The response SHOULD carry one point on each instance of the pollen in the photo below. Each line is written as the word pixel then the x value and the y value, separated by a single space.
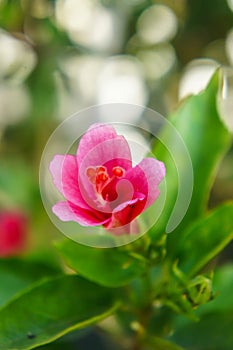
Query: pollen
pixel 101 177
pixel 101 169
pixel 118 171
pixel 101 174
pixel 98 176
pixel 91 174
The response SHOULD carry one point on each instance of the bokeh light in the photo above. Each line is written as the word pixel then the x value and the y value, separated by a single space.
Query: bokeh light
pixel 158 61
pixel 230 4
pixel 17 59
pixel 15 104
pixel 77 82
pixel 229 46
pixel 196 76
pixel 121 80
pixel 225 97
pixel 89 24
pixel 157 23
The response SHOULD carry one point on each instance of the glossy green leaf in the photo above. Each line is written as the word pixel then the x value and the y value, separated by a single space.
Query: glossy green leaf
pixel 107 267
pixel 207 140
pixel 51 309
pixel 206 238
pixel 16 274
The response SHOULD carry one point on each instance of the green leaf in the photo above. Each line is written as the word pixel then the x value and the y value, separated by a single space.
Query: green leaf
pixel 107 267
pixel 16 274
pixel 214 330
pixel 161 344
pixel 51 309
pixel 206 238
pixel 207 140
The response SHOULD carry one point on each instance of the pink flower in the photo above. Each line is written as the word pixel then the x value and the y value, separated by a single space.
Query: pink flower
pixel 13 233
pixel 100 185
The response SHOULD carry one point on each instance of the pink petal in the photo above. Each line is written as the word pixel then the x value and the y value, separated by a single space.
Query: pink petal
pixel 67 212
pixel 109 153
pixel 96 139
pixel 118 192
pixel 96 134
pixel 126 212
pixel 64 170
pixel 131 228
pixel 55 169
pixel 146 177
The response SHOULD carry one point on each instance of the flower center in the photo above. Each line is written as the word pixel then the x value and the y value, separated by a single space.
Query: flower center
pixel 118 171
pixel 100 178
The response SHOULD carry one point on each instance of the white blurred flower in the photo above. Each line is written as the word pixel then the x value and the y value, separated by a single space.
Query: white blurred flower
pixel 122 80
pixel 90 24
pixel 158 61
pixel 196 76
pixel 229 46
pixel 230 4
pixel 14 103
pixel 82 72
pixel 17 59
pixel 97 80
pixel 78 88
pixel 225 97
pixel 156 24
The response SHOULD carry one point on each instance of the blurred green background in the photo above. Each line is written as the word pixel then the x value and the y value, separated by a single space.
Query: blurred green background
pixel 58 57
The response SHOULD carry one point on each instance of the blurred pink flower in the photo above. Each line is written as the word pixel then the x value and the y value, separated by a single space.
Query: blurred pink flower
pixel 100 185
pixel 13 233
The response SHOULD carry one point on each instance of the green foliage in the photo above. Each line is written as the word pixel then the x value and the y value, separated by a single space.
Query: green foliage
pixel 147 283
pixel 50 309
pixel 207 140
pixel 214 329
pixel 205 238
pixel 161 344
pixel 107 267
pixel 16 275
